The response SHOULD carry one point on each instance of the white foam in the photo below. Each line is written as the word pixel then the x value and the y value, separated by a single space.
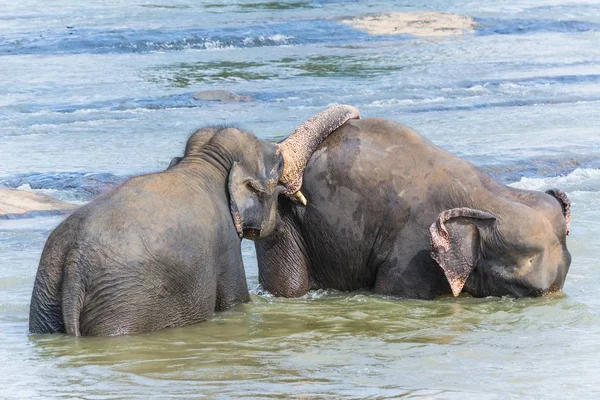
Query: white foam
pixel 404 102
pixel 27 188
pixel 510 85
pixel 59 194
pixel 582 179
pixel 217 45
pixel 476 89
pixel 278 37
pixel 319 294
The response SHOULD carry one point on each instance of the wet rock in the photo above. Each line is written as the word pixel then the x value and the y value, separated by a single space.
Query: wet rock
pixel 20 203
pixel 220 95
pixel 414 23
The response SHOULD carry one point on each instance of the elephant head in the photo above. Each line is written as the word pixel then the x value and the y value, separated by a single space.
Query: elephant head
pixel 258 171
pixel 521 252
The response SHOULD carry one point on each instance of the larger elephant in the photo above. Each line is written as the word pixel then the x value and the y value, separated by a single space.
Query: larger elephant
pixel 164 249
pixel 390 211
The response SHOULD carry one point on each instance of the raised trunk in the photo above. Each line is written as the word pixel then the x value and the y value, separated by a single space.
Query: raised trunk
pixel 299 146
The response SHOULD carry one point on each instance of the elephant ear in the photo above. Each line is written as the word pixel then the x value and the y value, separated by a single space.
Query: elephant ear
pixel 455 243
pixel 174 162
pixel 244 203
pixel 565 203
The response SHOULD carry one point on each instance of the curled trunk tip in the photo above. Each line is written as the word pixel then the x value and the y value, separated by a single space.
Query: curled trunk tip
pixel 299 146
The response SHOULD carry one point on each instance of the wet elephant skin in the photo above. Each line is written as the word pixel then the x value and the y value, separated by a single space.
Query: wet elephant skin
pixel 162 249
pixel 390 211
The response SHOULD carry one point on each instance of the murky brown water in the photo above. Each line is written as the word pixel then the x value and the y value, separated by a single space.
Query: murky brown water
pixel 354 345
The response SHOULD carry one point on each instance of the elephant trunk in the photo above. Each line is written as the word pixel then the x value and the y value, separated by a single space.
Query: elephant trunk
pixel 299 146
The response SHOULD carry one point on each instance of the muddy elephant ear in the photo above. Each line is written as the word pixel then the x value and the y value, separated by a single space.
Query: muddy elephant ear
pixel 174 162
pixel 244 203
pixel 565 203
pixel 455 243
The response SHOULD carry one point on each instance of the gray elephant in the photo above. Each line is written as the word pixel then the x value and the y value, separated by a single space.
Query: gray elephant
pixel 390 211
pixel 163 249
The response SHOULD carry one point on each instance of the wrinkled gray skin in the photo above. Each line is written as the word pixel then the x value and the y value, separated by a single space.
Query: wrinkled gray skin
pixel 390 211
pixel 162 249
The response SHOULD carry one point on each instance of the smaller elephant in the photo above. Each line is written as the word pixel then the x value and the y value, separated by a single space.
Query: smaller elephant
pixel 164 249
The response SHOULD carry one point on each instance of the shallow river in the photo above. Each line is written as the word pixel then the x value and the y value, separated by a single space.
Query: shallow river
pixel 93 92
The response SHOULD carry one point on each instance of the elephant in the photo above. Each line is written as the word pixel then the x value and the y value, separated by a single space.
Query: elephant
pixel 391 212
pixel 164 249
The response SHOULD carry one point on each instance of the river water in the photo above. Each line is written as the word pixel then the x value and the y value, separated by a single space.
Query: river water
pixel 93 92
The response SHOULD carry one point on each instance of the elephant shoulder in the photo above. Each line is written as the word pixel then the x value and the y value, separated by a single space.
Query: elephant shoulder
pixel 372 137
pixel 371 134
pixel 387 132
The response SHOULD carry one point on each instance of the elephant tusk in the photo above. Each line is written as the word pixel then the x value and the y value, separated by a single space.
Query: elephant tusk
pixel 298 195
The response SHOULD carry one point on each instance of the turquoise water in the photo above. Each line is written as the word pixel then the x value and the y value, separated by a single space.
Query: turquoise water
pixel 92 93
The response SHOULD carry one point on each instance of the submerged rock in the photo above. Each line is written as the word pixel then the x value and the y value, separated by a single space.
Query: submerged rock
pixel 414 23
pixel 16 203
pixel 220 95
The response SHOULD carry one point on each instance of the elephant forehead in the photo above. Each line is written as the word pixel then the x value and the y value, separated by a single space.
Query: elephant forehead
pixel 271 185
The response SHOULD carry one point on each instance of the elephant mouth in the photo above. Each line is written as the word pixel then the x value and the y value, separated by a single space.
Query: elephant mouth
pixel 494 284
pixel 251 233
